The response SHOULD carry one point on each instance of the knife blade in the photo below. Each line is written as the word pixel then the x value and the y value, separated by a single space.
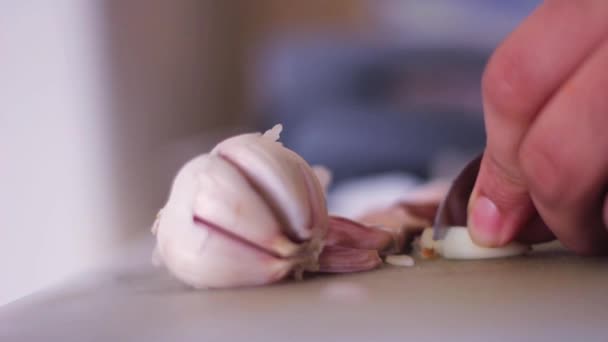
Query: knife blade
pixel 452 210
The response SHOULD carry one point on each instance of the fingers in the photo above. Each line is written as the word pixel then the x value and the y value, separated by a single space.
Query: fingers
pixel 535 231
pixel 531 65
pixel 499 204
pixel 521 77
pixel 564 158
pixel 606 211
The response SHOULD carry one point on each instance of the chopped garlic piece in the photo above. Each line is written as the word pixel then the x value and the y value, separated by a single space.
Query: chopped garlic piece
pixel 400 260
pixel 457 244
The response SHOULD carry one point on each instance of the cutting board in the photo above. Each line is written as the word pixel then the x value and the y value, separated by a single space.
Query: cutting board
pixel 546 296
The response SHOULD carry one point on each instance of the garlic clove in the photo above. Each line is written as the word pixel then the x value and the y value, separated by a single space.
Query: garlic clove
pixel 403 221
pixel 225 198
pixel 316 199
pixel 205 257
pixel 272 167
pixel 400 260
pixel 457 244
pixel 337 259
pixel 429 248
pixel 391 220
pixel 346 233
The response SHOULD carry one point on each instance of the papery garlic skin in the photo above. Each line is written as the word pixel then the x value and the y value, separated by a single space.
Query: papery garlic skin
pixel 457 244
pixel 225 198
pixel 203 258
pixel 249 213
pixel 288 180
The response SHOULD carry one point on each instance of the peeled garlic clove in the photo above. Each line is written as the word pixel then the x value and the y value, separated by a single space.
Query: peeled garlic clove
pixel 457 244
pixel 400 260
pixel 225 198
pixel 346 233
pixel 337 259
pixel 204 257
pixel 272 168
pixel 316 198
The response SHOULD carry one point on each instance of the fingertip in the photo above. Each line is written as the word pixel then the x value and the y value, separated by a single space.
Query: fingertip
pixel 498 207
pixel 484 222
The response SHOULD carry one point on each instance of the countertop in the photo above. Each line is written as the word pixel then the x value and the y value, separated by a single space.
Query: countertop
pixel 546 296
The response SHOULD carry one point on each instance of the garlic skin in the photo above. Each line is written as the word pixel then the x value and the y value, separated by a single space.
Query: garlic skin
pixel 287 182
pixel 204 258
pixel 251 212
pixel 403 221
pixel 457 244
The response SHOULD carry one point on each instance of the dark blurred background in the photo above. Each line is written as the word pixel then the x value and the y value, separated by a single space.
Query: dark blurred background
pixel 102 101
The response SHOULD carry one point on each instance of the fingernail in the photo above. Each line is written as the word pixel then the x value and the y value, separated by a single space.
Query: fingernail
pixel 484 222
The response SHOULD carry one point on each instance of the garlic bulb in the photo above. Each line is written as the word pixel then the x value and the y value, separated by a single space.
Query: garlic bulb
pixel 248 213
pixel 253 212
pixel 457 244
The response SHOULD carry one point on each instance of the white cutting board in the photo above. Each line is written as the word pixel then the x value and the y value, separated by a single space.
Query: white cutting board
pixel 547 296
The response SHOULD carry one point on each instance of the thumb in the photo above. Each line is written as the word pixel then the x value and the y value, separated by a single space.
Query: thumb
pixel 499 205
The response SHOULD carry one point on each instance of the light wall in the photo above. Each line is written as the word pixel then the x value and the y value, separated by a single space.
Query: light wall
pixel 102 101
pixel 90 93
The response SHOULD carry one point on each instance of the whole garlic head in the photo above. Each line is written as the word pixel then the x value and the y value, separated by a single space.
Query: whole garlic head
pixel 251 212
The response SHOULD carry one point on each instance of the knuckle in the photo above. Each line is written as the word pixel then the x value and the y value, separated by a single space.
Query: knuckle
pixel 546 173
pixel 502 184
pixel 508 83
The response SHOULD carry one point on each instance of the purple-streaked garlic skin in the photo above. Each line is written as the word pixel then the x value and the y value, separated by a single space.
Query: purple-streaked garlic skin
pixel 408 217
pixel 338 259
pixel 205 258
pixel 404 221
pixel 347 233
pixel 280 172
pixel 249 213
pixel 226 199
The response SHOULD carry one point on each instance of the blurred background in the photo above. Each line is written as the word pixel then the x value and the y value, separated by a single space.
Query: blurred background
pixel 101 102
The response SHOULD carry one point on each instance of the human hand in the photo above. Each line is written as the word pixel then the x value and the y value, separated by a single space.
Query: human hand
pixel 544 173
